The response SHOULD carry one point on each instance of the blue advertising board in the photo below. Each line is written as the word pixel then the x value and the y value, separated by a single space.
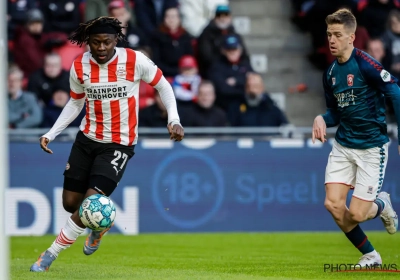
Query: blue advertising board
pixel 203 185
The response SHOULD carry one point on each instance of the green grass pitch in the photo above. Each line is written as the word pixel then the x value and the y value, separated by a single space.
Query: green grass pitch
pixel 205 256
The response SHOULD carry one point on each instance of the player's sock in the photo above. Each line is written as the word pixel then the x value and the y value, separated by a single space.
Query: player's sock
pixel 360 240
pixel 381 206
pixel 68 235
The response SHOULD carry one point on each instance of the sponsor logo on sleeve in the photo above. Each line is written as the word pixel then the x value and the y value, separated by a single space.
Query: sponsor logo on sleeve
pixel 385 75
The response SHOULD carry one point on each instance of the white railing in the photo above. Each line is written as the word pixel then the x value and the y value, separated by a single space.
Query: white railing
pixel 69 134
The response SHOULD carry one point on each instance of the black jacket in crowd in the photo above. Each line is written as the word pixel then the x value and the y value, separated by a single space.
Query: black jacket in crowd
pixel 221 71
pixel 167 49
pixel 266 114
pixel 152 116
pixel 44 87
pixel 146 16
pixel 196 116
pixel 209 46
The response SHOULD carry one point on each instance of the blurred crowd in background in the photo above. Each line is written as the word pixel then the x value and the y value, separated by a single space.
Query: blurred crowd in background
pixel 193 42
pixel 378 31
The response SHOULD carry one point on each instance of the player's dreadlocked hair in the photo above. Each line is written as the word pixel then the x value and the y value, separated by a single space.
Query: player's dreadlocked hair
pixel 109 25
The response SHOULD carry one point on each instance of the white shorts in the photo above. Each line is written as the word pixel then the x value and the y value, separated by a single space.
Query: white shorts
pixel 362 170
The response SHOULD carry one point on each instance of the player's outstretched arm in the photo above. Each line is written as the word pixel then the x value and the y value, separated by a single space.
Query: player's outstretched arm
pixel 331 118
pixel 43 144
pixel 319 129
pixel 394 93
pixel 68 115
pixel 384 82
pixel 176 132
pixel 152 75
pixel 166 92
pixel 332 115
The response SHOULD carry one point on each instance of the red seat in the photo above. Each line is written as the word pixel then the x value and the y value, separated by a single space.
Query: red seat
pixel 10 45
pixel 25 82
pixel 169 79
pixel 82 7
pixel 68 53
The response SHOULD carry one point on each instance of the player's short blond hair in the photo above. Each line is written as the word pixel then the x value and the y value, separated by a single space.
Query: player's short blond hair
pixel 343 16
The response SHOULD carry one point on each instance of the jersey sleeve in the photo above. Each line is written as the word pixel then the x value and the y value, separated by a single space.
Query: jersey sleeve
pixel 76 88
pixel 374 74
pixel 72 108
pixel 148 71
pixel 380 79
pixel 331 117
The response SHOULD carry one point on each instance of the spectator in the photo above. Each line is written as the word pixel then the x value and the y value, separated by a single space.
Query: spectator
pixel 53 110
pixel 155 115
pixel 256 108
pixel 29 47
pixel 44 81
pixel 98 8
pixel 31 44
pixel 229 73
pixel 310 17
pixel 391 41
pixel 16 14
pixel 186 83
pixel 135 37
pixel 204 112
pixel 23 109
pixel 170 43
pixel 197 14
pixel 376 49
pixel 210 40
pixel 150 13
pixel 61 15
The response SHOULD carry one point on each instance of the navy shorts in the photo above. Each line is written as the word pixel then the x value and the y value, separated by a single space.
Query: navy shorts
pixel 90 159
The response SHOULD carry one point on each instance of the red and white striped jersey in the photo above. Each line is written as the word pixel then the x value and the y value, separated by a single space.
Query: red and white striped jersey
pixel 112 91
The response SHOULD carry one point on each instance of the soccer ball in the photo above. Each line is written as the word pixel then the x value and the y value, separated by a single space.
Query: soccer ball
pixel 97 212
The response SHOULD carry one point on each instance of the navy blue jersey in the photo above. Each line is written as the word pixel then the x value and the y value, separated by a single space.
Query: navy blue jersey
pixel 355 93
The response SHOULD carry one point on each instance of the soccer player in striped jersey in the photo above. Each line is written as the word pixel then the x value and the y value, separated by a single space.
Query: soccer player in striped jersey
pixel 355 89
pixel 107 80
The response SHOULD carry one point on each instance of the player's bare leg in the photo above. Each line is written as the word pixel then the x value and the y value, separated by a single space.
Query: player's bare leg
pixel 72 200
pixel 335 202
pixel 69 233
pixel 361 211
pixel 348 219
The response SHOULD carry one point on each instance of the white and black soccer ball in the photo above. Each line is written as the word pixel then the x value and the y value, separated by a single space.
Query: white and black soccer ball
pixel 97 212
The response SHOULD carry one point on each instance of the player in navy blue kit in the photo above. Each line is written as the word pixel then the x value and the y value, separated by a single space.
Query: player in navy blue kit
pixel 356 86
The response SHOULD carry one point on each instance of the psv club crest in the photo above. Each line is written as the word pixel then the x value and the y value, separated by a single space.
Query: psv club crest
pixel 121 73
pixel 350 80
